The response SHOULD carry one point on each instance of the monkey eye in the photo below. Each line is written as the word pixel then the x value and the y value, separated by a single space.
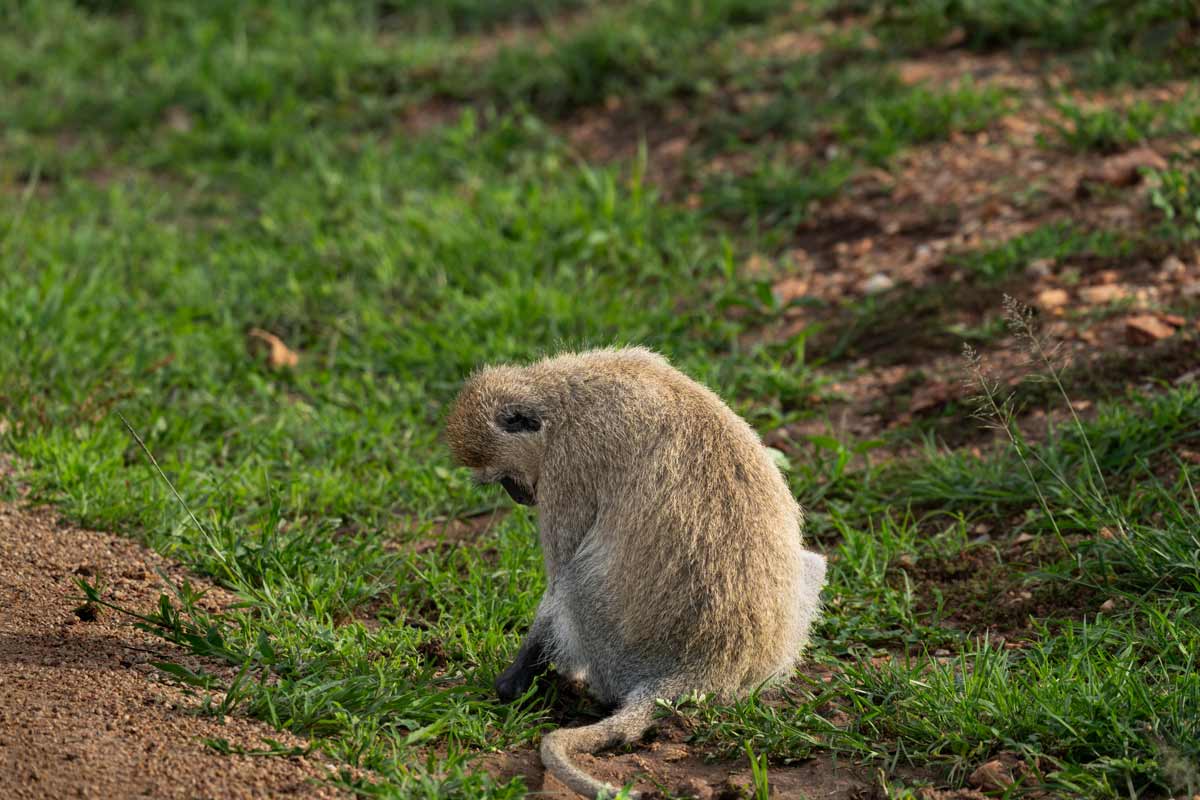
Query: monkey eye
pixel 518 420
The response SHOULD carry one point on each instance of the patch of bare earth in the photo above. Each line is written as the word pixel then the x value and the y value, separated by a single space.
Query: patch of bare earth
pixel 959 195
pixel 982 593
pixel 667 766
pixel 669 763
pixel 452 532
pixel 83 712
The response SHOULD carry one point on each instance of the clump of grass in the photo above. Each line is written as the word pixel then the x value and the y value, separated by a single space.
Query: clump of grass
pixel 988 24
pixel 1041 701
pixel 996 409
pixel 1105 130
pixel 1086 709
pixel 774 194
pixel 1176 196
pixel 885 123
pixel 758 773
pixel 644 53
pixel 1109 129
pixel 1056 240
pixel 582 70
pixel 1147 559
pixel 471 15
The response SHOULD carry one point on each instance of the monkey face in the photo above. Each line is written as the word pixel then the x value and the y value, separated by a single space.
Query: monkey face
pixel 518 426
pixel 496 427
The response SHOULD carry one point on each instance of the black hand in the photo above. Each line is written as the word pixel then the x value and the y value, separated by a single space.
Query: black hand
pixel 516 680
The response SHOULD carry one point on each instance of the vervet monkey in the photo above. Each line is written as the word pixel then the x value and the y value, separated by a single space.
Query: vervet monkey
pixel 671 541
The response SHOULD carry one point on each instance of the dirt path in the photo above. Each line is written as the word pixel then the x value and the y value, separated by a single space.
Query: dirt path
pixel 83 713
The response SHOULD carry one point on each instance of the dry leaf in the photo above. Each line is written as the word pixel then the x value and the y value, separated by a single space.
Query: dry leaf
pixel 1019 126
pixel 789 289
pixel 930 395
pixel 673 148
pixel 1051 299
pixel 1099 295
pixel 1121 170
pixel 675 753
pixel 992 776
pixel 279 355
pixel 1146 329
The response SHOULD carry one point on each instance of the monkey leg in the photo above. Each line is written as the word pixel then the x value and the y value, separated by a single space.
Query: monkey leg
pixel 532 660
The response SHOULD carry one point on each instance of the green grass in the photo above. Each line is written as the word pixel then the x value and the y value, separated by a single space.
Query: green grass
pixel 1176 197
pixel 473 15
pixel 173 176
pixel 1111 40
pixel 1109 130
pixel 908 115
pixel 773 193
pixel 1055 241
pixel 648 52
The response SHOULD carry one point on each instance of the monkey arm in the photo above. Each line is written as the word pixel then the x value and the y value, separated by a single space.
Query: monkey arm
pixel 564 524
pixel 532 658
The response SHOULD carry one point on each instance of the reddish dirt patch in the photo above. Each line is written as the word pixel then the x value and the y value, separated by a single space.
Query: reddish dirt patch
pixel 935 393
pixel 83 713
pixel 1000 69
pixel 667 764
pixel 460 530
pixel 982 594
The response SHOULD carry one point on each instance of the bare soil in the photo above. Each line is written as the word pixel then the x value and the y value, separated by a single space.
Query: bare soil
pixel 83 711
pixel 667 766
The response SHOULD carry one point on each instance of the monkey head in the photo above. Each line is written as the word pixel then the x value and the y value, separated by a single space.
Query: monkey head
pixel 497 427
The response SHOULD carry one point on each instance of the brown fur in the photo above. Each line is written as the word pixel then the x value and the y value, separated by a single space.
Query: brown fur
pixel 671 542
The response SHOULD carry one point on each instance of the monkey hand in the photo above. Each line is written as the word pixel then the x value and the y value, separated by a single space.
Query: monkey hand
pixel 530 662
pixel 515 681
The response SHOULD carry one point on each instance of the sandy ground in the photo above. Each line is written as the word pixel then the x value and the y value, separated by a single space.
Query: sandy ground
pixel 83 712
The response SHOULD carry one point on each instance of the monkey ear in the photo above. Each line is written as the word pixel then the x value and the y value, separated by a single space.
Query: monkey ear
pixel 518 420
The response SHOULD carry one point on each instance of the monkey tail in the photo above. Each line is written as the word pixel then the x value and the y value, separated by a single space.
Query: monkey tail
pixel 627 724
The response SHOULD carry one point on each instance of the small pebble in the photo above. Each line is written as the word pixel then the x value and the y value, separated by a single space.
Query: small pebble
pixel 877 284
pixel 1173 265
pixel 1040 267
